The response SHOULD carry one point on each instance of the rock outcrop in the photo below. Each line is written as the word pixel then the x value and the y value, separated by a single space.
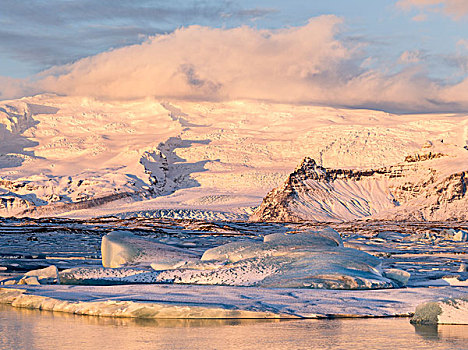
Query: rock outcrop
pixel 426 186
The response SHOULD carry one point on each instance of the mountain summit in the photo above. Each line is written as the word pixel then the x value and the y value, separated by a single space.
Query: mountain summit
pixel 429 185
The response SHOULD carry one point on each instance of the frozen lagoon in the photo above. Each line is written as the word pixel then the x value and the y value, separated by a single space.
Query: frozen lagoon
pixel 427 250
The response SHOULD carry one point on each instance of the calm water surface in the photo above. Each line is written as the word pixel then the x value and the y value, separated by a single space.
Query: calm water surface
pixel 33 329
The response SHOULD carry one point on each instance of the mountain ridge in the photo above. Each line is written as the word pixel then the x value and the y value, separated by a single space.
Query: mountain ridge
pixel 411 190
pixel 69 156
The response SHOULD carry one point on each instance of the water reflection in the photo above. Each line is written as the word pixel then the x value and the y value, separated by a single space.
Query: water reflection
pixel 140 322
pixel 33 329
pixel 444 331
pixel 426 331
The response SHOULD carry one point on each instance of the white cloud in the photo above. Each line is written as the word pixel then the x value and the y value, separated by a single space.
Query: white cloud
pixel 305 64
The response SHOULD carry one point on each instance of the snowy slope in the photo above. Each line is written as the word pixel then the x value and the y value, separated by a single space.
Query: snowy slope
pixel 82 157
pixel 429 185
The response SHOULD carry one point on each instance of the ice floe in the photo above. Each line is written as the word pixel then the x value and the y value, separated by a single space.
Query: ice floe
pixel 313 259
pixel 196 301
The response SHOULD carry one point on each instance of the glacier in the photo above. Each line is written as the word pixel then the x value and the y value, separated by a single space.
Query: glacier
pixel 81 157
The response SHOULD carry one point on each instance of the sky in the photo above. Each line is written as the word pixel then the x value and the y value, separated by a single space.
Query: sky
pixel 395 55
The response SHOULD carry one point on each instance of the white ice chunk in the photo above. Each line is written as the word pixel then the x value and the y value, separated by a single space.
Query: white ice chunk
pixel 46 275
pixel 391 236
pixel 29 280
pixel 276 244
pixel 121 248
pixel 324 237
pixel 400 276
pixel 460 235
pixel 336 268
pixel 236 251
pixel 168 265
pixel 449 311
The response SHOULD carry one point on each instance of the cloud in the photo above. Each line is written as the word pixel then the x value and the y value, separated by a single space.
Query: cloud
pixel 459 59
pixel 205 62
pixel 52 32
pixel 456 9
pixel 411 57
pixel 306 64
pixel 12 88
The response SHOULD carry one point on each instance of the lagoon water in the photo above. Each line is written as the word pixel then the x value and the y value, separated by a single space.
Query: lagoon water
pixel 34 329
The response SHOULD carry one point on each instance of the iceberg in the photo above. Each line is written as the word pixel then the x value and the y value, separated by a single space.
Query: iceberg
pixel 47 275
pixel 122 248
pixel 276 244
pixel 460 235
pixel 314 259
pixel 338 268
pixel 311 259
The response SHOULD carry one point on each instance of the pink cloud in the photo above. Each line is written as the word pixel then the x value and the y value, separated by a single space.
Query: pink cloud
pixel 410 56
pixel 306 64
pixel 453 8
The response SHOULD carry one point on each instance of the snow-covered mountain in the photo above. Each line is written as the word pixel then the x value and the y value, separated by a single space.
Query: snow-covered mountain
pixel 83 157
pixel 429 185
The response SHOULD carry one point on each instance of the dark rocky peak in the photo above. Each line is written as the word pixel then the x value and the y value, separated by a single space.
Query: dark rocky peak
pixel 310 170
pixel 420 157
